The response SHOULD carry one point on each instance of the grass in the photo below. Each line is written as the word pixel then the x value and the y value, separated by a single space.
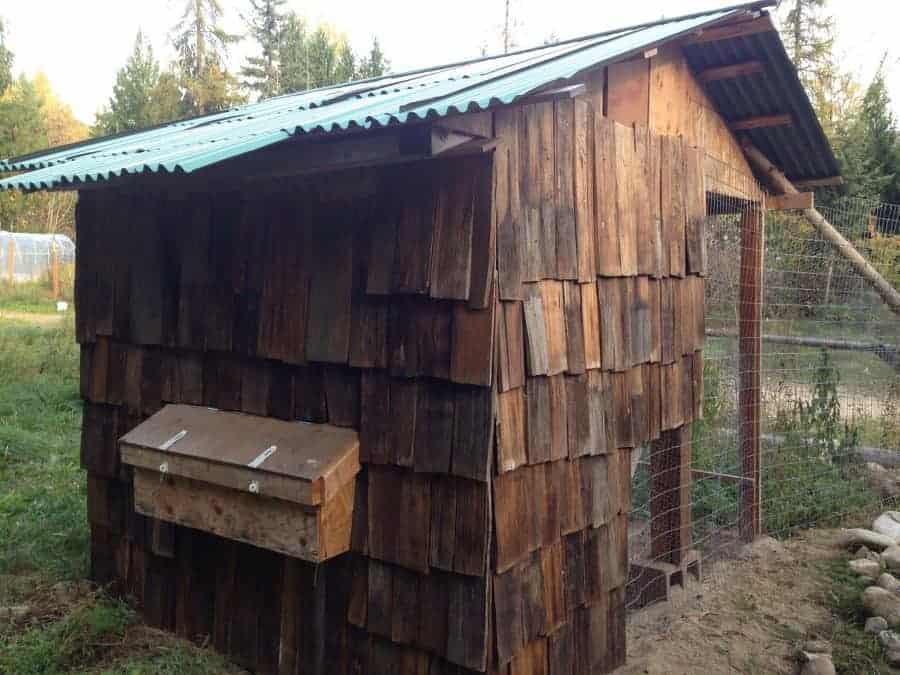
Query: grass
pixel 44 532
pixel 32 298
pixel 855 651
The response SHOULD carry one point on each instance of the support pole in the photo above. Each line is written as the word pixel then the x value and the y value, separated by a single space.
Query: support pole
pixel 55 271
pixel 888 293
pixel 750 350
pixel 12 261
pixel 670 496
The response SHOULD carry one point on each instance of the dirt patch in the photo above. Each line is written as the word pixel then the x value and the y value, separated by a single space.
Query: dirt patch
pixel 747 616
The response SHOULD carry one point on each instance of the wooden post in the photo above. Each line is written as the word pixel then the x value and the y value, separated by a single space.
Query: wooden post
pixel 750 347
pixel 670 496
pixel 55 270
pixel 12 260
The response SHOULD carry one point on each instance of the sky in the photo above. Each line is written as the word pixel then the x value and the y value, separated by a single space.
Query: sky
pixel 80 45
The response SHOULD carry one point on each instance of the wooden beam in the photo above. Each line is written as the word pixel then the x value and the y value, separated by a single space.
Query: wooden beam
pixel 750 363
pixel 831 181
pixel 731 71
pixel 781 184
pixel 760 122
pixel 762 24
pixel 787 202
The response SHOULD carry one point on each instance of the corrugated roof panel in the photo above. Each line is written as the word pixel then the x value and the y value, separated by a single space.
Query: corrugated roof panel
pixel 189 145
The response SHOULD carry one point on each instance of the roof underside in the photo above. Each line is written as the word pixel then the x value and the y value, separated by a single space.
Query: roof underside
pixel 189 145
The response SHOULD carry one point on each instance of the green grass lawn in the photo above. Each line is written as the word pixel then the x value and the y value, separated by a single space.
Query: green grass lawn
pixel 44 531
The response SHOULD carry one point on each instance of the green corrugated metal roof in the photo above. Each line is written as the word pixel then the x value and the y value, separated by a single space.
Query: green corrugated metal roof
pixel 189 145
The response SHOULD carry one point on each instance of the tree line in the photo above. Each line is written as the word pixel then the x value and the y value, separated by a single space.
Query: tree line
pixel 857 117
pixel 290 55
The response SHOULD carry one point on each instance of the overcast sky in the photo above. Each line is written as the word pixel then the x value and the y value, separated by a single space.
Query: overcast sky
pixel 80 45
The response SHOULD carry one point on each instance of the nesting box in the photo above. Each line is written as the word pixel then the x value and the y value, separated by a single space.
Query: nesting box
pixel 282 486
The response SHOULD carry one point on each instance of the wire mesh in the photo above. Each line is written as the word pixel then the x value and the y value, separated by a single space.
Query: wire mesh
pixel 829 391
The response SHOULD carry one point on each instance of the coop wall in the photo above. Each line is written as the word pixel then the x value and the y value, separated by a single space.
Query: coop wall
pixel 362 299
pixel 600 331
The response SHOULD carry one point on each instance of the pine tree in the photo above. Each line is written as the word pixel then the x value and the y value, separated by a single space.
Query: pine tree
pixel 880 135
pixel 201 44
pixel 293 71
pixel 129 106
pixel 262 72
pixel 375 64
pixel 6 60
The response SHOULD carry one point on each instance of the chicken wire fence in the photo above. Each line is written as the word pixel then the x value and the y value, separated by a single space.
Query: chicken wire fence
pixel 30 257
pixel 828 404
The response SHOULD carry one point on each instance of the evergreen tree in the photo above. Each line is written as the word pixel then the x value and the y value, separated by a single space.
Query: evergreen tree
pixel 374 64
pixel 293 71
pixel 345 68
pixel 201 44
pixel 130 106
pixel 262 72
pixel 6 60
pixel 880 135
pixel 322 58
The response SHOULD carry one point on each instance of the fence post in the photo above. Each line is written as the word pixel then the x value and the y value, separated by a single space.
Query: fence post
pixel 670 495
pixel 750 348
pixel 12 261
pixel 55 270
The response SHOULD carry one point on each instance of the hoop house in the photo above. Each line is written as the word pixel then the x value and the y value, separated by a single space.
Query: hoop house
pixel 27 257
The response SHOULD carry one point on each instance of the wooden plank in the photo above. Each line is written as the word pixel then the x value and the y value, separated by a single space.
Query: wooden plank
pixel 670 503
pixel 530 189
pixel 547 194
pixel 553 306
pixel 575 332
pixel 566 241
pixel 579 416
pixel 574 573
pixel 641 321
pixel 405 597
pixel 368 334
pixel 584 191
pixel 472 538
pixel 615 296
pixel 750 365
pixel 451 249
pixel 624 429
pixel 628 91
pixel 375 430
pixel 672 200
pixel 627 172
pixel 434 428
pixel 695 212
pixel 467 622
pixel 761 122
pixel 559 418
pixel 669 338
pixel 383 242
pixel 561 651
pixel 330 290
pixel 415 230
pixel 538 422
pixel 534 616
pixel 590 321
pixel 484 238
pixel 599 419
pixel 443 523
pixel 507 211
pixel 762 24
pixel 788 202
pixel 568 480
pixel 670 386
pixel 508 615
pixel 606 235
pixel 379 617
pixel 471 358
pixel 511 433
pixel 342 396
pixel 640 404
pixel 473 432
pixel 511 348
pixel 512 523
pixel 807 183
pixel 554 596
pixel 537 347
pixel 730 71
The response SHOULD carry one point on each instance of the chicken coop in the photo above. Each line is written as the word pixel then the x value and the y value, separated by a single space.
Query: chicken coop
pixel 28 257
pixel 364 367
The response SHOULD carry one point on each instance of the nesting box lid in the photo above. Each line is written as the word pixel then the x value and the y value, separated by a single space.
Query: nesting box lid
pixel 297 461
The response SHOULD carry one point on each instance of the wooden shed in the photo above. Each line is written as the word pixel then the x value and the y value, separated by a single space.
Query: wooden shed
pixel 379 354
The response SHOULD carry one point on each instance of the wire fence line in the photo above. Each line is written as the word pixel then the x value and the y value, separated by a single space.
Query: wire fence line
pixel 829 391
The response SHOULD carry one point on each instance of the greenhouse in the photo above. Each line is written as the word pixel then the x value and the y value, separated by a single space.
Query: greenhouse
pixel 28 257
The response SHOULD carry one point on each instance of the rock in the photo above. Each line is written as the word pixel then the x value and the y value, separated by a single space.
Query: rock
pixel 892 656
pixel 889 639
pixel 867 568
pixel 817 647
pixel 818 664
pixel 764 547
pixel 879 602
pixel 873 467
pixel 876 624
pixel 888 523
pixel 891 558
pixel 862 553
pixel 889 582
pixel 858 536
